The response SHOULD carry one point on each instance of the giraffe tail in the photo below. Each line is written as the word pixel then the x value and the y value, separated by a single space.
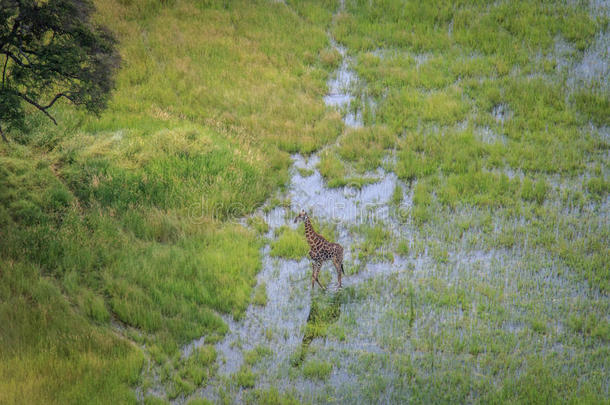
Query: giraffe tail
pixel 342 271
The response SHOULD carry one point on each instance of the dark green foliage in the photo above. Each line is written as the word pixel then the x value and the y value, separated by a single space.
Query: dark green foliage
pixel 51 50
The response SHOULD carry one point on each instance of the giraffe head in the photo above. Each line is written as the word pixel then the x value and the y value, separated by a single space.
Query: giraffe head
pixel 302 216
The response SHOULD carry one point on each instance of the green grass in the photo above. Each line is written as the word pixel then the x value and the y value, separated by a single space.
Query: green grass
pixel 260 295
pixel 271 396
pixel 317 370
pixel 438 85
pixel 48 333
pixel 499 155
pixel 364 148
pixel 337 173
pixel 199 401
pixel 258 224
pixel 117 239
pixel 245 378
pixel 332 169
pixel 191 372
pixel 376 244
pixel 439 358
pixel 305 172
pixel 289 243
pixel 254 356
pixel 126 218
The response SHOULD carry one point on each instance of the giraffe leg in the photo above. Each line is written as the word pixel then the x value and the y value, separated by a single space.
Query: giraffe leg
pixel 316 272
pixel 338 267
pixel 320 284
pixel 339 275
pixel 314 275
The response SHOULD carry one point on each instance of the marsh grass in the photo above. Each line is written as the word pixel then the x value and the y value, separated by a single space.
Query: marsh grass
pixel 245 377
pixel 457 70
pixel 289 243
pixel 323 313
pixel 258 224
pixel 257 354
pixel 124 219
pixel 530 196
pixel 270 396
pixel 339 173
pixel 376 244
pixel 260 295
pixel 318 370
pixel 117 244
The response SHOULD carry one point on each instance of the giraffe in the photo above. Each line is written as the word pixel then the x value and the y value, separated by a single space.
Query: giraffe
pixel 321 250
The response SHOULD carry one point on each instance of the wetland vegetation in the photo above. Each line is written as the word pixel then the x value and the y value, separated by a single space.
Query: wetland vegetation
pixel 457 150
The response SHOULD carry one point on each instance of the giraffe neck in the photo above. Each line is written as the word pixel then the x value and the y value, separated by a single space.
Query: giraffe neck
pixel 310 234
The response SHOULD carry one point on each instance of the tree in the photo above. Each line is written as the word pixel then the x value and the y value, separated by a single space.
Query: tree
pixel 51 51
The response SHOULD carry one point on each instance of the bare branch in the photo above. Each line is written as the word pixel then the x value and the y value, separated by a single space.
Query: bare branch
pixel 57 97
pixel 24 55
pixel 38 106
pixel 14 58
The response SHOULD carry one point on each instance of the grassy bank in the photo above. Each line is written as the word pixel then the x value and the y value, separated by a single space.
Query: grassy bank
pixel 116 232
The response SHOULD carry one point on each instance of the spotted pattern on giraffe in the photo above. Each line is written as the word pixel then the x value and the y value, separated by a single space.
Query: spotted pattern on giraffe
pixel 320 251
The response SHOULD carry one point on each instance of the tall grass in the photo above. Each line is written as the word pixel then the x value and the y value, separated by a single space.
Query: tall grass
pixel 117 244
pixel 126 219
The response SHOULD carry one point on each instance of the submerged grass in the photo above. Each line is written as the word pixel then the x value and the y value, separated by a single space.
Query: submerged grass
pixel 376 243
pixel 323 313
pixel 474 101
pixel 505 166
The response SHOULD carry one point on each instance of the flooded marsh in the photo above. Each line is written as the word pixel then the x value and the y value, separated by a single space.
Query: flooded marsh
pixel 447 297
pixel 458 151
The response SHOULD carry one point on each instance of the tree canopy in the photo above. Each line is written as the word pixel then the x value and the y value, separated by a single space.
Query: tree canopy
pixel 52 50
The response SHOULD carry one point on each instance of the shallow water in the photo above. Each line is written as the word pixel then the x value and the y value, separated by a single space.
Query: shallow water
pixel 410 308
pixel 594 68
pixel 344 205
pixel 339 89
